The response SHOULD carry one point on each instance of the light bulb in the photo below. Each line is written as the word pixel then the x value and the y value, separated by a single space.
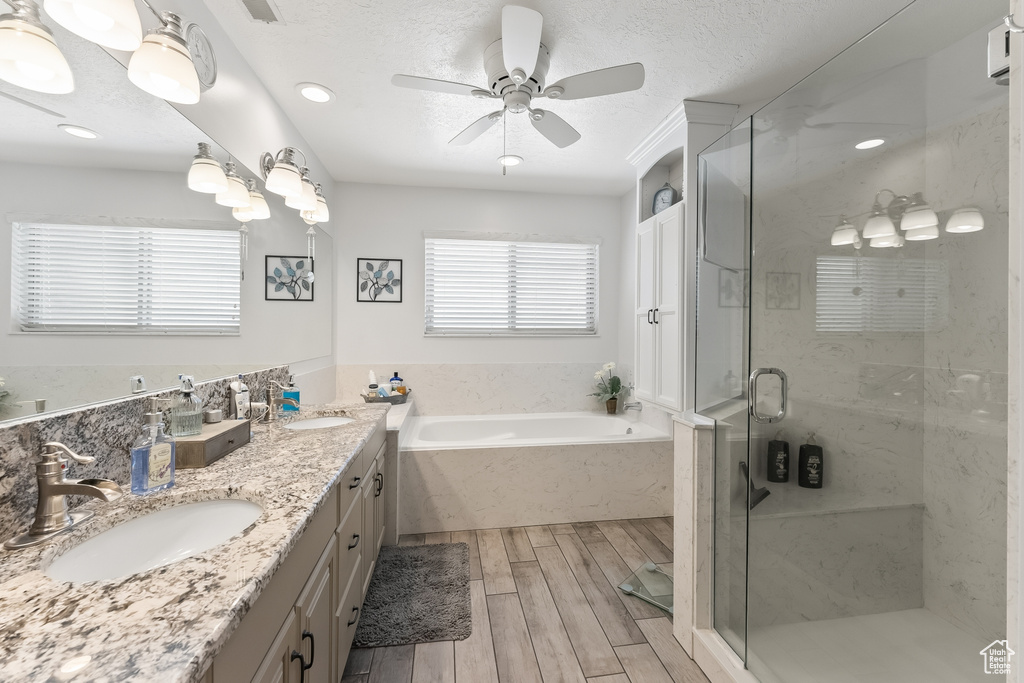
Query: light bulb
pixel 965 220
pixel 162 66
pixel 29 56
pixel 206 175
pixel 110 23
pixel 237 194
pixel 284 178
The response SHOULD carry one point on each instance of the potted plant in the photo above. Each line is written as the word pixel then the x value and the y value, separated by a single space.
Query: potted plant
pixel 608 388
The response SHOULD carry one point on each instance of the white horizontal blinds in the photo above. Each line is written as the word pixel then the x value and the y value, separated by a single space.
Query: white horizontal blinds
pixel 863 294
pixel 81 278
pixel 506 287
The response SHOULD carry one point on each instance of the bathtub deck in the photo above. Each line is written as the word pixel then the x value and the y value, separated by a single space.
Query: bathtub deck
pixel 545 604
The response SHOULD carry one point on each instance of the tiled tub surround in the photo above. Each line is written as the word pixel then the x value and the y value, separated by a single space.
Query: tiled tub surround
pixel 104 431
pixel 168 624
pixel 484 484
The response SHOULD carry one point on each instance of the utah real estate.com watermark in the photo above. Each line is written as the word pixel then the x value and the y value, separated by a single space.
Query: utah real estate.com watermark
pixel 997 657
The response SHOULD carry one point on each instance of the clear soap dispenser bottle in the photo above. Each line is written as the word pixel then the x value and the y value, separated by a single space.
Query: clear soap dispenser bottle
pixel 152 454
pixel 186 410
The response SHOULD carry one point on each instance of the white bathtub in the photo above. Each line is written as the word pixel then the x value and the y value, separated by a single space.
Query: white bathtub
pixel 492 471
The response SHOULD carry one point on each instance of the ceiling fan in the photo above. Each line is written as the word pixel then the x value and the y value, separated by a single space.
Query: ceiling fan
pixel 516 67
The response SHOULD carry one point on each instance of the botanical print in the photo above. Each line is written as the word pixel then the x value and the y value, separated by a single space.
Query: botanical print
pixel 289 278
pixel 782 291
pixel 380 280
pixel 733 291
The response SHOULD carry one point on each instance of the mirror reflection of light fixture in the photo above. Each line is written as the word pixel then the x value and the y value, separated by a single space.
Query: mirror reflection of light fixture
pixel 237 194
pixel 965 220
pixel 162 65
pixel 257 203
pixel 928 232
pixel 844 233
pixel 281 173
pixel 918 215
pixel 110 23
pixel 206 175
pixel 29 56
pixel 886 241
pixel 879 224
pixel 306 201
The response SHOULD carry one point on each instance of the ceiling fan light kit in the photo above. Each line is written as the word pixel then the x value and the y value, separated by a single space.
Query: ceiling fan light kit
pixel 517 68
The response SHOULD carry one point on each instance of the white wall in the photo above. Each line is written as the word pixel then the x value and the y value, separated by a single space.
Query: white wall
pixel 627 284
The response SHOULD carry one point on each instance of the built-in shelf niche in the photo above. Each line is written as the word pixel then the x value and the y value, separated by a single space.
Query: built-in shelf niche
pixel 669 169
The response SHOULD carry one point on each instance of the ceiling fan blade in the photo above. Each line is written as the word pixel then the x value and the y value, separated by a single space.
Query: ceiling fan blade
pixel 520 41
pixel 608 81
pixel 477 128
pixel 554 128
pixel 434 85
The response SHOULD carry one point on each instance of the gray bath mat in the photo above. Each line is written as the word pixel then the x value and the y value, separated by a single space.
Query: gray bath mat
pixel 418 594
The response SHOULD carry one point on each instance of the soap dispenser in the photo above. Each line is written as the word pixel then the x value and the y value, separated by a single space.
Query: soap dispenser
pixel 291 392
pixel 152 454
pixel 186 410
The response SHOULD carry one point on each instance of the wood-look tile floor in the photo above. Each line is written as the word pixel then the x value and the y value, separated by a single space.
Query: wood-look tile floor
pixel 546 609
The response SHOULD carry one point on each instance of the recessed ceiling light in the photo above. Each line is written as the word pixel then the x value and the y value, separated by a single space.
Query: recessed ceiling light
pixel 510 160
pixel 870 144
pixel 78 131
pixel 314 92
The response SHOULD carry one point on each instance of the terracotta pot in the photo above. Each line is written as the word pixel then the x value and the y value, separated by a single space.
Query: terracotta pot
pixel 612 405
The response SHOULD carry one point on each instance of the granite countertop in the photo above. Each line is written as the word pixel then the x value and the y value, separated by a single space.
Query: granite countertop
pixel 169 623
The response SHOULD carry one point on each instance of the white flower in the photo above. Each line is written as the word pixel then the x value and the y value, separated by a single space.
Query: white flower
pixel 597 375
pixel 608 367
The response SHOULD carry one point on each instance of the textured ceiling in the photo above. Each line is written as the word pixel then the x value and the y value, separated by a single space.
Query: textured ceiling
pixel 738 51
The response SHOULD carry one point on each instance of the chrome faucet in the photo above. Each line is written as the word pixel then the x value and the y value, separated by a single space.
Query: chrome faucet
pixel 52 516
pixel 275 402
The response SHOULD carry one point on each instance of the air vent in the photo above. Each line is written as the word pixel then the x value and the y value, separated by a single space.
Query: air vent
pixel 263 10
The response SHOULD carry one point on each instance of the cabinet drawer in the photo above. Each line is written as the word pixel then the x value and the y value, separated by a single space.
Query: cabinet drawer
pixel 349 485
pixel 350 541
pixel 349 610
pixel 373 445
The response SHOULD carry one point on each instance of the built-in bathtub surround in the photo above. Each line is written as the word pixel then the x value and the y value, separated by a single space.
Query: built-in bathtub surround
pixel 104 431
pixel 474 472
pixel 483 389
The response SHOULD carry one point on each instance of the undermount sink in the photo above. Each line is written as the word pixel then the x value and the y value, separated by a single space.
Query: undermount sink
pixel 155 540
pixel 319 422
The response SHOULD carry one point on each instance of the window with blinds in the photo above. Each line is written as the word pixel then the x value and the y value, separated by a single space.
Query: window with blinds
pixel 495 287
pixel 125 280
pixel 862 294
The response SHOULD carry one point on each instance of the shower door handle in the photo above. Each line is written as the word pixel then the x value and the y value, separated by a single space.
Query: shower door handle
pixel 752 395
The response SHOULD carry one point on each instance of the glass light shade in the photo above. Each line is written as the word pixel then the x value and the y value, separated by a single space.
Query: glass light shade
pixel 242 214
pixel 284 179
pixel 929 232
pixel 918 217
pixel 259 206
pixel 237 194
pixel 884 241
pixel 305 201
pixel 163 67
pixel 323 214
pixel 844 234
pixel 965 220
pixel 30 58
pixel 207 176
pixel 110 23
pixel 879 225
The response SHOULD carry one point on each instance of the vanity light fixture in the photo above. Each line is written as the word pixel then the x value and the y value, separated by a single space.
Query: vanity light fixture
pixel 237 194
pixel 206 174
pixel 29 56
pixel 918 215
pixel 162 65
pixel 281 173
pixel 314 92
pixel 928 232
pixel 322 213
pixel 844 233
pixel 965 220
pixel 257 203
pixel 307 200
pixel 893 240
pixel 78 131
pixel 110 23
pixel 870 144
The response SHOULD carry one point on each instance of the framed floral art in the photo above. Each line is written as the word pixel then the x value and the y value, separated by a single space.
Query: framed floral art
pixel 379 280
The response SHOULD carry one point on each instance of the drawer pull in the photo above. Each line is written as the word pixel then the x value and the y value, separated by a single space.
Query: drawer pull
pixel 380 484
pixel 355 541
pixel 355 482
pixel 302 665
pixel 312 650
pixel 355 616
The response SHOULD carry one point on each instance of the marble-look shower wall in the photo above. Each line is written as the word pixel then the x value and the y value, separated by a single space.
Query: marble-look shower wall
pixel 104 431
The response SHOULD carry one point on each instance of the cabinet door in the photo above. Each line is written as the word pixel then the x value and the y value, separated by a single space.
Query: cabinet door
pixel 369 490
pixel 277 666
pixel 316 608
pixel 645 302
pixel 380 509
pixel 668 324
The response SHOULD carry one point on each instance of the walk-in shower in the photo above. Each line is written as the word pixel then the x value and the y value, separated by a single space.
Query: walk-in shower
pixel 874 279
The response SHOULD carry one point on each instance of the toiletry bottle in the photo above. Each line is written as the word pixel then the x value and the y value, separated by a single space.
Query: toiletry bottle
pixel 812 466
pixel 186 410
pixel 778 461
pixel 291 392
pixel 239 399
pixel 152 454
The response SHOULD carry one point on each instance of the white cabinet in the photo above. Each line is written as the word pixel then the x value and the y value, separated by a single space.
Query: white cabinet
pixel 659 326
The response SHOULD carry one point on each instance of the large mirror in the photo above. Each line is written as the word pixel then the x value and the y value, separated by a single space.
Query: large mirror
pixel 133 174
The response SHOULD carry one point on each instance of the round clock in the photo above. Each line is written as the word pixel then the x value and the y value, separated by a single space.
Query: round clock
pixel 203 57
pixel 663 198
